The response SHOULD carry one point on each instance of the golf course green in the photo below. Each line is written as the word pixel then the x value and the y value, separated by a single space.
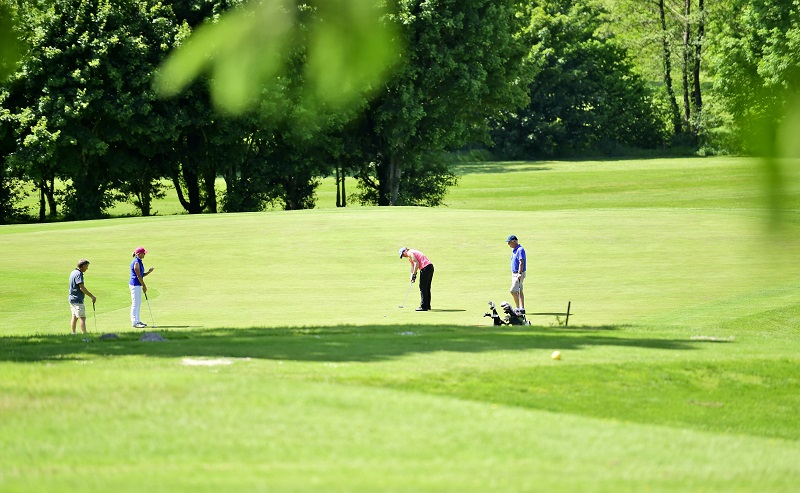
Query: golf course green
pixel 289 365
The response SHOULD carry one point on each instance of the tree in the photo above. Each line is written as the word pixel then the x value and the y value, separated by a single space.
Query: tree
pixel 584 93
pixel 666 56
pixel 11 190
pixel 461 67
pixel 287 70
pixel 84 91
pixel 669 40
pixel 757 68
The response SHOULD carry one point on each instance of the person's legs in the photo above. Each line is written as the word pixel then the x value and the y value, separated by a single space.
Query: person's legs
pixel 425 281
pixel 83 324
pixel 136 304
pixel 78 312
pixel 516 290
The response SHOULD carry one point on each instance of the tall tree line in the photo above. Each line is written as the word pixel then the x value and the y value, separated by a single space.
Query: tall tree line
pixel 545 78
pixel 81 109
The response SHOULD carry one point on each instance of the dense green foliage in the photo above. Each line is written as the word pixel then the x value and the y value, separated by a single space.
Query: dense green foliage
pixel 321 93
pixel 274 153
pixel 83 105
pixel 584 93
pixel 460 68
pixel 758 69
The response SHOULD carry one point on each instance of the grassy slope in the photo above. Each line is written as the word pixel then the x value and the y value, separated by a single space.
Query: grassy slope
pixel 679 368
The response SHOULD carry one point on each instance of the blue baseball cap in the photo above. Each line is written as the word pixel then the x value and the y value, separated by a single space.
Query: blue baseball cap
pixel 403 250
pixel 510 238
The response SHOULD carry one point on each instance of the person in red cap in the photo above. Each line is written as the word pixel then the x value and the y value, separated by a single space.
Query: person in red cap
pixel 138 286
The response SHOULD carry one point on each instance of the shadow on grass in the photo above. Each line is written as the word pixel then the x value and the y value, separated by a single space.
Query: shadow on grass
pixel 498 167
pixel 334 343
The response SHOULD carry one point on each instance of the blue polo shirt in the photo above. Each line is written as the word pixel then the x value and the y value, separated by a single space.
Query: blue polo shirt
pixel 135 280
pixel 517 254
pixel 76 296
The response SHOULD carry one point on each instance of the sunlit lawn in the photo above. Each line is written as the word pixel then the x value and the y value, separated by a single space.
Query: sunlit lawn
pixel 290 367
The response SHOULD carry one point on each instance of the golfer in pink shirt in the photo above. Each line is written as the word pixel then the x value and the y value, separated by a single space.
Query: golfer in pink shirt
pixel 420 263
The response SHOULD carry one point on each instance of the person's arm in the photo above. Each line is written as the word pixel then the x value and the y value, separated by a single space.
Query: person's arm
pixel 521 267
pixel 414 266
pixel 86 292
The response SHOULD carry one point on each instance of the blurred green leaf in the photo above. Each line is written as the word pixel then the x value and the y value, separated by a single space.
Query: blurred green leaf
pixel 10 45
pixel 348 50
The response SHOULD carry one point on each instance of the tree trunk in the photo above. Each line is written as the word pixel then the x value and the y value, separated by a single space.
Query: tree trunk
pixel 145 199
pixel 47 199
pixel 396 172
pixel 687 61
pixel 42 208
pixel 210 181
pixel 676 112
pixel 338 188
pixel 50 194
pixel 187 176
pixel 344 192
pixel 191 199
pixel 698 48
pixel 192 182
pixel 384 182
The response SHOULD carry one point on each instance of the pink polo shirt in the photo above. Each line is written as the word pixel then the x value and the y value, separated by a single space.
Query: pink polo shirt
pixel 422 260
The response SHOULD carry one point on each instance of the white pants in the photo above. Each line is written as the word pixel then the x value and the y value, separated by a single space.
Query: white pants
pixel 136 304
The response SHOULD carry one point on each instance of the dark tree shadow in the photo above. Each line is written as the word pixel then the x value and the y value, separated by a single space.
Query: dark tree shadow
pixel 498 167
pixel 333 343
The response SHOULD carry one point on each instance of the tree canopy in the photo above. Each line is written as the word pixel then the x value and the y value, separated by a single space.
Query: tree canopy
pixel 116 98
pixel 584 93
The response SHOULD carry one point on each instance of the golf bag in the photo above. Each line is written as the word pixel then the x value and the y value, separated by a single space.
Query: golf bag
pixel 511 316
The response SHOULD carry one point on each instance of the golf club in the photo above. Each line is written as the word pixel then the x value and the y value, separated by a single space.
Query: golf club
pixel 94 315
pixel 151 311
pixel 406 298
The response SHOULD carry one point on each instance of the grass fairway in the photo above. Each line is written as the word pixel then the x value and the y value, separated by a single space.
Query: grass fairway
pixel 290 367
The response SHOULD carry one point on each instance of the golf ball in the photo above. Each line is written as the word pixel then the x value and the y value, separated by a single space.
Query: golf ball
pixel 556 355
pixel 384 314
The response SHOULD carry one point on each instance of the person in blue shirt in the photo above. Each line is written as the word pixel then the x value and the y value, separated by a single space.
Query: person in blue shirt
pixel 519 266
pixel 138 286
pixel 77 292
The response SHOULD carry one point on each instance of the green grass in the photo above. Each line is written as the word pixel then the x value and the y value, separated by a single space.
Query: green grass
pixel 290 367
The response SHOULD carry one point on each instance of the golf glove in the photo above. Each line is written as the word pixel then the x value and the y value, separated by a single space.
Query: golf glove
pixel 413 277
